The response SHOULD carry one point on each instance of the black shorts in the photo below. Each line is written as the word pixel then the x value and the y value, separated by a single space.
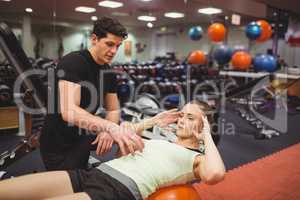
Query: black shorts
pixel 98 185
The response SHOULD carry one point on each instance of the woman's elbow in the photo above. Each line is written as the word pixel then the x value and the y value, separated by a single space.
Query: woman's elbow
pixel 214 178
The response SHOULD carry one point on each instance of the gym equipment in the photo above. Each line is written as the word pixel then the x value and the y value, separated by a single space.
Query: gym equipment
pixel 241 60
pixel 5 94
pixel 180 192
pixel 5 175
pixel 195 33
pixel 197 57
pixel 31 87
pixel 253 31
pixel 18 59
pixel 265 62
pixel 216 32
pixel 266 31
pixel 222 54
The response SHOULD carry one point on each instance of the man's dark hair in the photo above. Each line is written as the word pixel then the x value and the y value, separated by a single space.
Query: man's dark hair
pixel 108 25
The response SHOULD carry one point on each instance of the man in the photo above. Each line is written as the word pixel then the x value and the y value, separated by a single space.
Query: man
pixel 134 176
pixel 66 140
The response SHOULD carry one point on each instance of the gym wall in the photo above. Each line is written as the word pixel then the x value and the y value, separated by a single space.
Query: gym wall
pixel 156 42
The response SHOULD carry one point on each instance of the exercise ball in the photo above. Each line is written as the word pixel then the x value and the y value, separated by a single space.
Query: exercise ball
pixel 241 60
pixel 216 32
pixel 222 54
pixel 195 33
pixel 183 192
pixel 197 57
pixel 265 62
pixel 253 31
pixel 266 31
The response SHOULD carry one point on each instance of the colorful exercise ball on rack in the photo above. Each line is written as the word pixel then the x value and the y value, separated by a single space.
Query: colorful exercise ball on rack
pixel 265 62
pixel 266 31
pixel 253 31
pixel 222 54
pixel 180 192
pixel 216 32
pixel 241 60
pixel 197 57
pixel 196 33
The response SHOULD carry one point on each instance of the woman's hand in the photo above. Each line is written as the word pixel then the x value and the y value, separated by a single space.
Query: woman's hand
pixel 165 118
pixel 200 134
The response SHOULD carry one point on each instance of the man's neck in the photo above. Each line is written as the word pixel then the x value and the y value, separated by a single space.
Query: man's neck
pixel 94 56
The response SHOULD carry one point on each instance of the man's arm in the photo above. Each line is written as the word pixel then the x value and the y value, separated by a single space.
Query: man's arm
pixel 104 141
pixel 112 107
pixel 72 113
pixel 209 167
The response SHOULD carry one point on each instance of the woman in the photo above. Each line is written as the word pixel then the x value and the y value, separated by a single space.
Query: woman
pixel 134 176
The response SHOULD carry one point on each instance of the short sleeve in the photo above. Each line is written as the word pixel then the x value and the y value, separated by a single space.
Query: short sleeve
pixel 110 82
pixel 72 67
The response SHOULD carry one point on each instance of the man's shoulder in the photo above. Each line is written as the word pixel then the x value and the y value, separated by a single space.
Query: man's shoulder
pixel 74 55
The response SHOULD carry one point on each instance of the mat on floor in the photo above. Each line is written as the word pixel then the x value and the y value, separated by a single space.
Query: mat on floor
pixel 275 177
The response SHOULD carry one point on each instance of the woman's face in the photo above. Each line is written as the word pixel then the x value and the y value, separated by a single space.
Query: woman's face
pixel 190 122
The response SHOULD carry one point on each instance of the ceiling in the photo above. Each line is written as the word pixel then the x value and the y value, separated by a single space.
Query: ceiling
pixel 62 11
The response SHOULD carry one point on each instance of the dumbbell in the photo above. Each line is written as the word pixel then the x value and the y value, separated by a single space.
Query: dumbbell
pixel 5 94
pixel 3 72
pixel 5 175
pixel 250 118
pixel 257 123
pixel 268 133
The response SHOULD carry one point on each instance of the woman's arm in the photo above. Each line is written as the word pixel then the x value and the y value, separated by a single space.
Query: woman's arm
pixel 162 119
pixel 209 167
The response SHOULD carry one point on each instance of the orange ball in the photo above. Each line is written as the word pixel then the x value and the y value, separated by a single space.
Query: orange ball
pixel 197 57
pixel 185 192
pixel 241 60
pixel 217 32
pixel 266 31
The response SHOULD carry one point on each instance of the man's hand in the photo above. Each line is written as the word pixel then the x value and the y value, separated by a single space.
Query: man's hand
pixel 126 138
pixel 104 143
pixel 165 118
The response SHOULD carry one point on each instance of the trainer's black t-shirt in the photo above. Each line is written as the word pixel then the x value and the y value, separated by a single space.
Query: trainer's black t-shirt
pixel 77 67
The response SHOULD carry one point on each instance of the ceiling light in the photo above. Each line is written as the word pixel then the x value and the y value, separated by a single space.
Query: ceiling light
pixel 85 9
pixel 209 11
pixel 110 4
pixel 94 18
pixel 146 18
pixel 174 15
pixel 6 0
pixel 149 25
pixel 29 10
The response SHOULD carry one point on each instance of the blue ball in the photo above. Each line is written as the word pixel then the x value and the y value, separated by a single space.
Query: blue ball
pixel 195 33
pixel 222 54
pixel 265 62
pixel 253 31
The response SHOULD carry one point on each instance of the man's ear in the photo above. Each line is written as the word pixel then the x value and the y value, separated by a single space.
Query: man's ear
pixel 94 38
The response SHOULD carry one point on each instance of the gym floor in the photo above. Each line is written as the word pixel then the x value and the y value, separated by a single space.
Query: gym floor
pixel 236 149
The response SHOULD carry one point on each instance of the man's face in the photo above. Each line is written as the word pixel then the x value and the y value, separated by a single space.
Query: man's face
pixel 106 48
pixel 191 120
